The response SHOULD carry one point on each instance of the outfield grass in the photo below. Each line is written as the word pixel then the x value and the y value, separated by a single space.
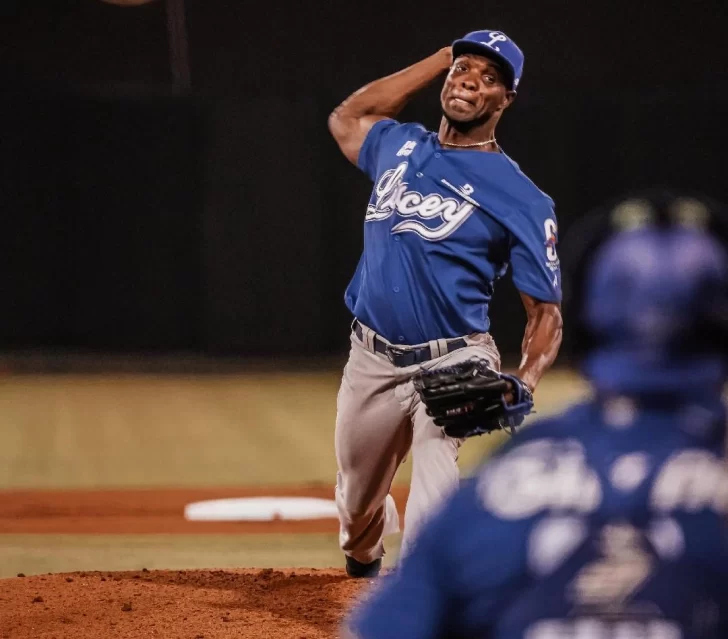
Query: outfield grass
pixel 134 431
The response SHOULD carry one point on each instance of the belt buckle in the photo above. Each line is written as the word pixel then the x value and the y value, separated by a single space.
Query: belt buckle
pixel 394 351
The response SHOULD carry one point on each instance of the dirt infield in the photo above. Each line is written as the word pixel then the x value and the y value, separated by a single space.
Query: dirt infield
pixel 149 511
pixel 184 604
pixel 218 604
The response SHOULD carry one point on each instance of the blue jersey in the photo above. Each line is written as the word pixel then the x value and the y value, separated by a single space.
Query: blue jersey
pixel 602 523
pixel 441 227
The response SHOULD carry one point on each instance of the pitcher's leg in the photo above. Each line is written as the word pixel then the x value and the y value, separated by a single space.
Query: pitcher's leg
pixel 373 435
pixel 435 473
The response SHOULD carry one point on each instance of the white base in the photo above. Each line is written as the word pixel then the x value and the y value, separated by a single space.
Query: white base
pixel 261 509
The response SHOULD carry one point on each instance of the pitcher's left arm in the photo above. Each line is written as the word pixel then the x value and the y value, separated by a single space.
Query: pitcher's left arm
pixel 541 339
pixel 537 277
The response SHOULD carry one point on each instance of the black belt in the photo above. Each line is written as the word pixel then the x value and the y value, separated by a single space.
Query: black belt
pixel 402 356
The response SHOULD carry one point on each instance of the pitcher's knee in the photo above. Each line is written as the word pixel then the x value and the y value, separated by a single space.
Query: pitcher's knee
pixel 357 507
pixel 440 450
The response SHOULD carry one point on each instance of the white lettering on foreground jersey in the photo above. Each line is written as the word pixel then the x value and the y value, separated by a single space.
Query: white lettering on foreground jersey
pixel 541 475
pixel 691 480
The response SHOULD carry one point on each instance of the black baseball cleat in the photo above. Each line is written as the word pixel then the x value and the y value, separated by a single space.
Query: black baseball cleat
pixel 358 570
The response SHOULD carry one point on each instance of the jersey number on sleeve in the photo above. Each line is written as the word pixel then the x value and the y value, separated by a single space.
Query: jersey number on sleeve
pixel 549 227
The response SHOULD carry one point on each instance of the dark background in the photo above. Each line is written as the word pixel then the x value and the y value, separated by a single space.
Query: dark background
pixel 140 217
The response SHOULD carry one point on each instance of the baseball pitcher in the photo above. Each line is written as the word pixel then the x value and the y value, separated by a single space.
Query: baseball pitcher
pixel 608 521
pixel 448 213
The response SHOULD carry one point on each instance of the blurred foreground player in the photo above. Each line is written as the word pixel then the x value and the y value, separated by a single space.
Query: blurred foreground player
pixel 608 521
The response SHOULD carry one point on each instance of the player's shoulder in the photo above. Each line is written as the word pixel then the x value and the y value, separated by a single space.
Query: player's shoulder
pixel 562 435
pixel 538 200
pixel 390 143
pixel 543 467
pixel 393 132
pixel 568 423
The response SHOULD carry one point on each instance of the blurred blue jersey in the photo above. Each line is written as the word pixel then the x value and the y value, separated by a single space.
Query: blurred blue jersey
pixel 603 523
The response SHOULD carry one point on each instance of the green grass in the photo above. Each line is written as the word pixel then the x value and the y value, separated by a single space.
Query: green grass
pixel 136 431
pixel 96 431
pixel 40 554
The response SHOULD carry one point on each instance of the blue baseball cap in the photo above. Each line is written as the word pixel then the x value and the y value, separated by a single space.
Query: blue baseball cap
pixel 495 45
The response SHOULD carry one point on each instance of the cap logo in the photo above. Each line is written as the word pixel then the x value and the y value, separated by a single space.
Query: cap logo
pixel 495 36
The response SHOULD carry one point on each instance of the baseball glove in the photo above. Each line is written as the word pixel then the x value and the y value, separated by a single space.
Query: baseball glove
pixel 468 398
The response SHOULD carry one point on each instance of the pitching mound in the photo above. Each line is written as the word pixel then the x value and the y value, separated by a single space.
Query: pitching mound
pixel 178 604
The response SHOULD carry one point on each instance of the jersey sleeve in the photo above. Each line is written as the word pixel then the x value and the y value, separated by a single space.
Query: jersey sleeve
pixel 383 135
pixel 535 262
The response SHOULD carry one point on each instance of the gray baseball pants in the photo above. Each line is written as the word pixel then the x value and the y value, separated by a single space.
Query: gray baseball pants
pixel 380 419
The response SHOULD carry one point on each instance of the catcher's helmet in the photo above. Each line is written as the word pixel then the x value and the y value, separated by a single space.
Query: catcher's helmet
pixel 648 271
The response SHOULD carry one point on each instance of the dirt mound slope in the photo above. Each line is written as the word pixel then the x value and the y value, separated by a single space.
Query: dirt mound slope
pixel 186 604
